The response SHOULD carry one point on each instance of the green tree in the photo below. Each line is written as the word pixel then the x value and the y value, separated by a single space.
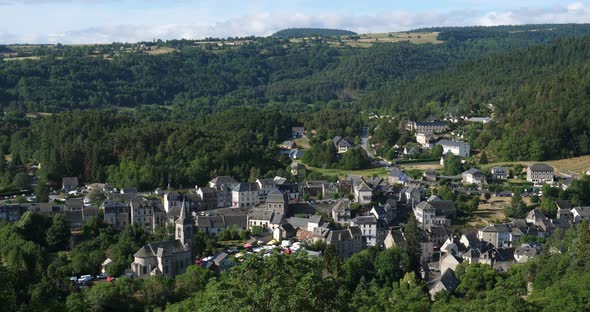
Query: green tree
pixel 452 165
pixel 22 181
pixel 193 280
pixel 58 234
pixel 408 295
pixel 413 249
pixel 483 159
pixel 42 191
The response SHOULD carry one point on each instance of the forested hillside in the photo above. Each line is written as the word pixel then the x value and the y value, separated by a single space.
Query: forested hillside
pixel 537 82
pixel 261 71
pixel 540 95
pixel 309 32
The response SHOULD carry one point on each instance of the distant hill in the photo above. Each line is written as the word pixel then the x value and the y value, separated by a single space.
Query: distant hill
pixel 308 32
pixel 5 49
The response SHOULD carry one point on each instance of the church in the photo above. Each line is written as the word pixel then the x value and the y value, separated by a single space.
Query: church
pixel 168 258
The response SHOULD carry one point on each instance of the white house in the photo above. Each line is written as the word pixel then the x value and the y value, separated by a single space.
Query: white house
pixel 363 193
pixel 473 176
pixel 457 148
pixel 368 226
pixel 539 173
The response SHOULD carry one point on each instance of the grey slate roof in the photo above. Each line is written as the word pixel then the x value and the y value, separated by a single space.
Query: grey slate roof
pixel 164 248
pixel 451 143
pixel 264 215
pixel 223 180
pixel 540 167
pixel 246 187
pixel 496 228
pixel 241 221
pixel 275 197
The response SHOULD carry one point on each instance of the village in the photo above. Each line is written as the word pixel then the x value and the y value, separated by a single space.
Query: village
pixel 350 214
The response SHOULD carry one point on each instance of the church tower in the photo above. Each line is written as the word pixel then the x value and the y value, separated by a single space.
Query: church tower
pixel 184 228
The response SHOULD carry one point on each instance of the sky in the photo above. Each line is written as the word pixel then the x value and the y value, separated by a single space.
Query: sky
pixel 106 21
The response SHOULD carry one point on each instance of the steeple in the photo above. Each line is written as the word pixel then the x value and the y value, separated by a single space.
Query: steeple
pixel 181 219
pixel 184 227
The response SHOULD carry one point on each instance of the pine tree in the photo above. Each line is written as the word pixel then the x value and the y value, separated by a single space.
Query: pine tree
pixel 483 159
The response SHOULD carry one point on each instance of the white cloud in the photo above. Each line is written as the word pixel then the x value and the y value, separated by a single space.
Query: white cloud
pixel 145 25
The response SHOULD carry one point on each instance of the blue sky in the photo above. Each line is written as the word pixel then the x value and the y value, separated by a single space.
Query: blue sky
pixel 105 21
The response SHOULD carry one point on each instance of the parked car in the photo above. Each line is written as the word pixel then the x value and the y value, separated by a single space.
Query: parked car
pixel 84 279
pixel 102 276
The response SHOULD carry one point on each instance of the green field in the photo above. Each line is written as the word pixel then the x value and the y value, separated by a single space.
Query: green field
pixel 380 172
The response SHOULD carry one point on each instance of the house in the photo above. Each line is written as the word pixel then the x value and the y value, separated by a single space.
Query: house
pixel 457 148
pixel 438 234
pixel 209 198
pixel 427 127
pixel 74 204
pixel 395 238
pixel 539 174
pixel 447 281
pixel 116 214
pixel 483 120
pixel 580 214
pixel 565 184
pixel 341 212
pixel 363 193
pixel 537 218
pixel 288 145
pixel 411 150
pixel 342 144
pixel 268 220
pixel 147 214
pixel 425 139
pixel 346 242
pixel 265 186
pixel 295 154
pixel 69 184
pixel 499 235
pixel 385 213
pixel 473 176
pixel 410 195
pixel 307 224
pixel 297 132
pixel 284 231
pixel 216 224
pixel 245 195
pixel 525 252
pixel 222 261
pixel 430 175
pixel 128 190
pixel 276 202
pixel 167 258
pixel 449 261
pixel 211 225
pixel 368 227
pixel 434 213
pixel 172 199
pixel 224 186
pixel 298 169
pixel 499 173
pixel 397 176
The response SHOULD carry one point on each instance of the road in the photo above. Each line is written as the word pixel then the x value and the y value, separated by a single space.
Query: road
pixel 377 161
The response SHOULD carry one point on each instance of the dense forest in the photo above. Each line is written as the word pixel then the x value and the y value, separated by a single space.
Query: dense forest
pixel 311 32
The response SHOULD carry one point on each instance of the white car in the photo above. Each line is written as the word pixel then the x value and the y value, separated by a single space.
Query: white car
pixel 84 279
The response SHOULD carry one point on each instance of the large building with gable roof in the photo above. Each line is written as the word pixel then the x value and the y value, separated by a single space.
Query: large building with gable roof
pixel 168 258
